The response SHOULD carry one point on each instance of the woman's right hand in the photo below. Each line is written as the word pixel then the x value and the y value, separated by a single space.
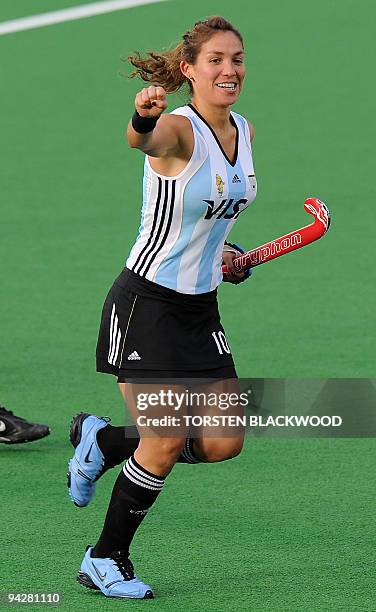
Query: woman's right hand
pixel 151 101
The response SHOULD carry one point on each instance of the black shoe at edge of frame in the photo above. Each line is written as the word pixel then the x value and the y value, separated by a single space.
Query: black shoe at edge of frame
pixel 16 430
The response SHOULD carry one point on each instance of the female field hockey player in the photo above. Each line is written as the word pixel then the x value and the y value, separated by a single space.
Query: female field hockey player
pixel 160 320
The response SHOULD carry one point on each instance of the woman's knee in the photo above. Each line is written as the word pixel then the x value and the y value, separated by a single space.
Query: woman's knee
pixel 163 452
pixel 213 450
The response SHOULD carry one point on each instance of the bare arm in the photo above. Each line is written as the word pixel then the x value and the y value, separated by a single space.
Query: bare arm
pixel 165 139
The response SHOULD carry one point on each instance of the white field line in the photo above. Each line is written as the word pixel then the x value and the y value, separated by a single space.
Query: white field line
pixel 77 12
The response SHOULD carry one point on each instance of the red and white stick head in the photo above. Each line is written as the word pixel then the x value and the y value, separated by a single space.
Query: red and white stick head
pixel 319 210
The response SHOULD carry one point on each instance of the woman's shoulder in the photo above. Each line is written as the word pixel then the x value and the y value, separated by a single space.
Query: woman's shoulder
pixel 177 123
pixel 178 120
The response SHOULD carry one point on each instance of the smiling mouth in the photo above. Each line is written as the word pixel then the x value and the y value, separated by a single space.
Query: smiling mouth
pixel 231 86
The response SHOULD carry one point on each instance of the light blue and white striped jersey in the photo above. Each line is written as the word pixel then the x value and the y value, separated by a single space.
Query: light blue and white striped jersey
pixel 186 218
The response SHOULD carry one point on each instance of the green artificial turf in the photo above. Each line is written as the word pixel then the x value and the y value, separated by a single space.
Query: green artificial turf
pixel 289 525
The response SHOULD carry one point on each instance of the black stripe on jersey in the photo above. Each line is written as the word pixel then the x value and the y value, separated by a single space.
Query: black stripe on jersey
pixel 153 248
pixel 168 226
pixel 151 242
pixel 153 226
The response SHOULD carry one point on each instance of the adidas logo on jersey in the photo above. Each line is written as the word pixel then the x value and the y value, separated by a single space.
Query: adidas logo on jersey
pixel 236 179
pixel 134 356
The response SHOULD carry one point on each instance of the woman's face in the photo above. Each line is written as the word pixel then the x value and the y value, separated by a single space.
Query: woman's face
pixel 219 71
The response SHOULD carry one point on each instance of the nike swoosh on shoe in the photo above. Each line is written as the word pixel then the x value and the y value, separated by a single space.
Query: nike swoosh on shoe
pixel 100 576
pixel 87 460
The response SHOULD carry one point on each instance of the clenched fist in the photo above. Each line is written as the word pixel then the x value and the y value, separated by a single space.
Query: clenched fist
pixel 151 101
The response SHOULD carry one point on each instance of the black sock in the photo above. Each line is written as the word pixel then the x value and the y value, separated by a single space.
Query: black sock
pixel 134 493
pixel 119 443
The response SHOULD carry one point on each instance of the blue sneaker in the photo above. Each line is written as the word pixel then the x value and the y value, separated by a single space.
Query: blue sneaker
pixel 88 463
pixel 114 576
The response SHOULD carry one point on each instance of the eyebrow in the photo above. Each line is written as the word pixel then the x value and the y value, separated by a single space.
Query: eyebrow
pixel 221 53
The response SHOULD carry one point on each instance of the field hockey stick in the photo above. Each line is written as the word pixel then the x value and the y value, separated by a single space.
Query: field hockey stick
pixel 289 242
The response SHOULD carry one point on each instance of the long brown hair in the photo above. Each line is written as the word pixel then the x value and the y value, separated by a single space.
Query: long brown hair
pixel 163 68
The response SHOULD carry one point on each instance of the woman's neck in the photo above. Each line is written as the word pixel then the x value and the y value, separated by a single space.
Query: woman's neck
pixel 217 116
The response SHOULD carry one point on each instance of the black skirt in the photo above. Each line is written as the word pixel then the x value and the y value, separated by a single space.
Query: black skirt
pixel 150 331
